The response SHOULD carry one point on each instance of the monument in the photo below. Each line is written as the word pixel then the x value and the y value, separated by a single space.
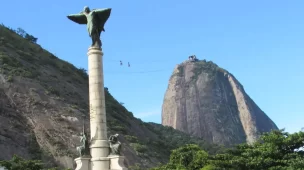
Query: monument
pixel 99 158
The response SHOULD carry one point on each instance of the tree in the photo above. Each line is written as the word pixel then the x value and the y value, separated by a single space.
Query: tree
pixel 187 157
pixel 18 163
pixel 30 38
pixel 21 32
pixel 83 73
pixel 25 35
pixel 276 150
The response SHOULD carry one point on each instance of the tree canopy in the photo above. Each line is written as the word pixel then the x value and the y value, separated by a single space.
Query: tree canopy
pixel 18 163
pixel 276 150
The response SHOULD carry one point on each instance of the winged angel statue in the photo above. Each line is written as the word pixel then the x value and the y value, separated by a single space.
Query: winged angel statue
pixel 95 20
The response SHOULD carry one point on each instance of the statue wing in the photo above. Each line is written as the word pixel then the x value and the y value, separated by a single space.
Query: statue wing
pixel 78 18
pixel 103 15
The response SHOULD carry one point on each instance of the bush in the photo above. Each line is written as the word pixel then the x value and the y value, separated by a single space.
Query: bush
pixel 9 61
pixel 52 90
pixel 274 150
pixel 132 139
pixel 139 148
pixel 9 78
pixel 119 128
pixel 82 73
pixel 18 163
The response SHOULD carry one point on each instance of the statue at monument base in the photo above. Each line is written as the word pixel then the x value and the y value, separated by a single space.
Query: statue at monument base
pixel 115 145
pixel 116 161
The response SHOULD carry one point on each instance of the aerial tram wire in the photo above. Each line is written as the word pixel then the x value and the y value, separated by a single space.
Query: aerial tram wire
pixel 139 72
pixel 121 63
pixel 136 61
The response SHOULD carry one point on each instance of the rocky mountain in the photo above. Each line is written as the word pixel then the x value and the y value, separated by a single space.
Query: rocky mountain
pixel 44 101
pixel 207 101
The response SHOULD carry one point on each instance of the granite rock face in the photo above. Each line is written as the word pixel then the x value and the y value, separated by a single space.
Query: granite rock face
pixel 207 101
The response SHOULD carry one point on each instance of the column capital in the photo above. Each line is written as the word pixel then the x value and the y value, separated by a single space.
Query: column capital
pixel 95 50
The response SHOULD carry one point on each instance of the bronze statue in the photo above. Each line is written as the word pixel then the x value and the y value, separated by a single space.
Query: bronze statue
pixel 83 149
pixel 95 20
pixel 115 145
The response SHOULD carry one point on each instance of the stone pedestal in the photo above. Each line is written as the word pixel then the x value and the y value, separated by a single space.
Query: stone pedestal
pixel 100 163
pixel 99 146
pixel 83 163
pixel 117 163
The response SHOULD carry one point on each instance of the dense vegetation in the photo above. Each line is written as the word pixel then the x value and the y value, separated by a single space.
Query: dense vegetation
pixel 18 163
pixel 276 150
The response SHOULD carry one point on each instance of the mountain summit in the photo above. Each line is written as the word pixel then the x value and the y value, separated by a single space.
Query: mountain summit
pixel 207 101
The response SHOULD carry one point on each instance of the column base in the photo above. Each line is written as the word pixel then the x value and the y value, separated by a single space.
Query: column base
pixel 117 163
pixel 100 163
pixel 83 163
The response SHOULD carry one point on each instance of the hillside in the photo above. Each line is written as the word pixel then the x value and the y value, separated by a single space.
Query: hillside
pixel 207 101
pixel 45 99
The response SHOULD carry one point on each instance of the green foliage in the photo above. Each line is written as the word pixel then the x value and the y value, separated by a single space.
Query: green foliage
pixel 186 157
pixel 34 148
pixel 201 66
pixel 83 73
pixel 114 106
pixel 209 167
pixel 132 139
pixel 169 139
pixel 276 150
pixel 9 61
pixel 26 56
pixel 58 169
pixel 52 90
pixel 207 67
pixel 118 128
pixel 139 148
pixel 17 40
pixel 25 35
pixel 135 167
pixel 18 163
pixel 31 38
pixel 118 117
pixel 13 67
pixel 10 78
pixel 22 33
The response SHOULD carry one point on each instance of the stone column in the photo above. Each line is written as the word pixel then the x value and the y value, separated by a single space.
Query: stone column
pixel 99 146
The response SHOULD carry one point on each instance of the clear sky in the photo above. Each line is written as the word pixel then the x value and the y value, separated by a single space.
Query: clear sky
pixel 260 42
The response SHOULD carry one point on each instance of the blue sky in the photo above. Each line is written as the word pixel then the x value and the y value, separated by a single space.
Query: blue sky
pixel 260 42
